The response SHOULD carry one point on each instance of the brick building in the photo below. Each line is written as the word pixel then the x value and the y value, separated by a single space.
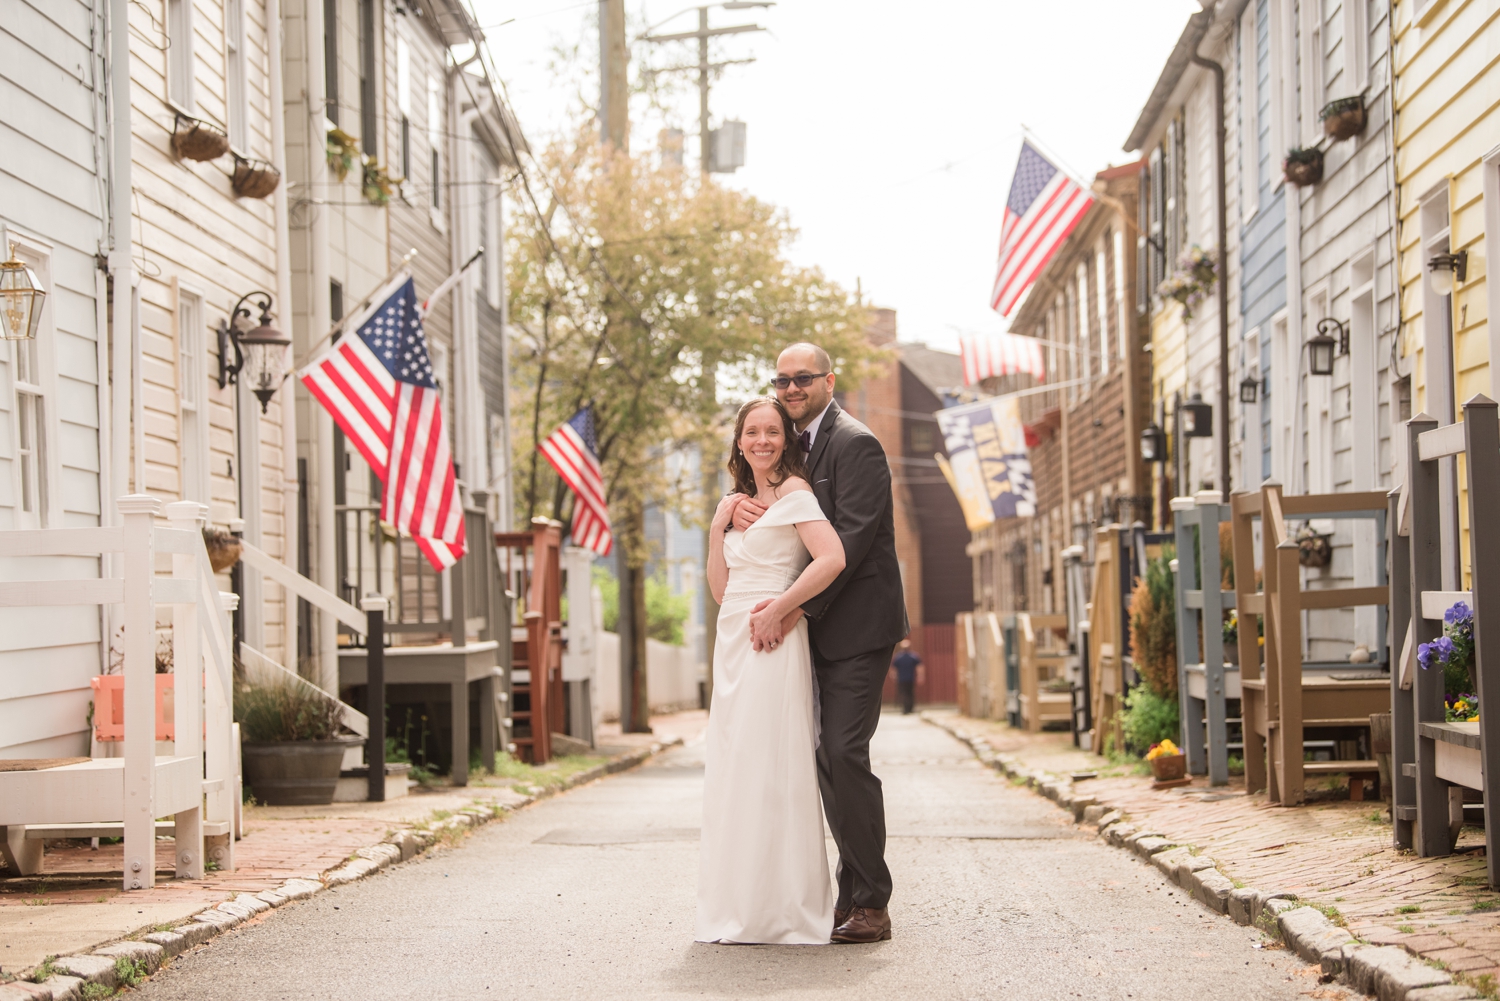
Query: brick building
pixel 898 406
pixel 1083 435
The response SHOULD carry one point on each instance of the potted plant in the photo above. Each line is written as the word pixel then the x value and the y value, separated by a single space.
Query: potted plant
pixel 1344 118
pixel 377 186
pixel 1168 763
pixel 223 549
pixel 1314 549
pixel 343 152
pixel 1191 281
pixel 1303 166
pixel 1453 652
pixel 292 747
pixel 1232 638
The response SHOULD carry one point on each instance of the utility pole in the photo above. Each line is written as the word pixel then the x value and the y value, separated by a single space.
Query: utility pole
pixel 614 86
pixel 703 66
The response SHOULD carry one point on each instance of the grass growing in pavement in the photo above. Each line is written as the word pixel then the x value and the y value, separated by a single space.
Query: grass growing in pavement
pixel 1409 909
pixel 41 973
pixel 129 972
pixel 94 991
pixel 554 773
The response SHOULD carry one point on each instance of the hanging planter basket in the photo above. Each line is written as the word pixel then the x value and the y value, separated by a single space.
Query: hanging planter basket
pixel 1314 549
pixel 223 549
pixel 254 178
pixel 1344 118
pixel 1303 167
pixel 195 139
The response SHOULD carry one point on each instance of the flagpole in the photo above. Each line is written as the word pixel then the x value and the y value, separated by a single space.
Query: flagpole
pixel 449 282
pixel 364 303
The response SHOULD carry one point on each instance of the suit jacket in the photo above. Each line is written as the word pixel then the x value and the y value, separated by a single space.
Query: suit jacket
pixel 864 608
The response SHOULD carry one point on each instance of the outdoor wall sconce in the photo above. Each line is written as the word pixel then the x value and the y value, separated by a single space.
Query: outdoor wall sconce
pixel 1153 444
pixel 21 297
pixel 1249 389
pixel 259 353
pixel 1322 349
pixel 1444 270
pixel 1197 418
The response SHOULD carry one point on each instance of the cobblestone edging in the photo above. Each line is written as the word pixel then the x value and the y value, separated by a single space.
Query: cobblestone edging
pixel 1389 973
pixel 112 964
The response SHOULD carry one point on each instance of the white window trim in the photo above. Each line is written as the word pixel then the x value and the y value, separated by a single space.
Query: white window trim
pixel 1490 187
pixel 181 70
pixel 1284 361
pixel 1249 116
pixel 42 388
pixel 1101 298
pixel 1356 47
pixel 192 340
pixel 236 104
pixel 1283 63
pixel 1250 452
pixel 1313 85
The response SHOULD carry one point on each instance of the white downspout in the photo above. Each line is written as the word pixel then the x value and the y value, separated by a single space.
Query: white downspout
pixel 288 399
pixel 121 266
pixel 470 395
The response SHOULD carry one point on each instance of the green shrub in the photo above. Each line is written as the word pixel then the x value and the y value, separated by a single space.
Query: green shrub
pixel 1148 719
pixel 1153 627
pixel 286 711
pixel 665 611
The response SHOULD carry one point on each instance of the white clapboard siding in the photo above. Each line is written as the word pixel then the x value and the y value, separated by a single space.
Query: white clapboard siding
pixel 51 202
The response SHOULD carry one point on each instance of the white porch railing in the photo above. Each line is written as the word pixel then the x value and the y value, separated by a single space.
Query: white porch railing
pixel 198 784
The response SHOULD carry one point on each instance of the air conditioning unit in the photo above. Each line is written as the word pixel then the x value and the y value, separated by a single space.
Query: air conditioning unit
pixel 727 148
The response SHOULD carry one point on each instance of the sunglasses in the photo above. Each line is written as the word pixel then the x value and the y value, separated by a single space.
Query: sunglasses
pixel 803 381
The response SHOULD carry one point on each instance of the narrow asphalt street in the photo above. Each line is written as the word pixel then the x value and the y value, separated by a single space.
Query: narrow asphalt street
pixel 591 896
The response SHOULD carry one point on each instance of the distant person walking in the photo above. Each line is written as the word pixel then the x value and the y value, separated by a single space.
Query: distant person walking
pixel 908 666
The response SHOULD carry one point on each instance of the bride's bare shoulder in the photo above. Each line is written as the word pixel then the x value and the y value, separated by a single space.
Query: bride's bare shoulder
pixel 793 484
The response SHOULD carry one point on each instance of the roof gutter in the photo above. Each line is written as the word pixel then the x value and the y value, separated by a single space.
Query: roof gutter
pixel 1171 75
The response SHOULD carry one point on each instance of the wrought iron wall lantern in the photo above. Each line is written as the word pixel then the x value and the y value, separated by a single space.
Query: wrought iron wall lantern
pixel 1249 389
pixel 21 297
pixel 1446 270
pixel 259 353
pixel 1322 349
pixel 1197 418
pixel 1153 444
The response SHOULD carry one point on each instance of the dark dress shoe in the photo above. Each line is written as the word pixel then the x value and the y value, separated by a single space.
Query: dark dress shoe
pixel 864 924
pixel 839 917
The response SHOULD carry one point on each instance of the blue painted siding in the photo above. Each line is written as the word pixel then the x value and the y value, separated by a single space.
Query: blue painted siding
pixel 1263 238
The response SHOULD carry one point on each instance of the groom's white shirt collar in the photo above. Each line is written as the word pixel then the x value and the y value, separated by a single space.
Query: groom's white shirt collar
pixel 812 429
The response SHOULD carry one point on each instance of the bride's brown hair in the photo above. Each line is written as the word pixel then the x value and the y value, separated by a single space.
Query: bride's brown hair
pixel 788 465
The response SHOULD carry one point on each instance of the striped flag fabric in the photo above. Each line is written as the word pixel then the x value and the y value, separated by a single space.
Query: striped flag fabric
pixel 1044 206
pixel 987 355
pixel 573 450
pixel 378 385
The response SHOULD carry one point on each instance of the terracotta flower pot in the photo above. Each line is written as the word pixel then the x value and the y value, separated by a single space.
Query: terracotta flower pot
pixel 295 772
pixel 1169 767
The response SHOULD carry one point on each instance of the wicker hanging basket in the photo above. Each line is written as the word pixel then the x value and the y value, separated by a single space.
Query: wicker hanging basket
pixel 1344 118
pixel 194 139
pixel 1303 167
pixel 254 178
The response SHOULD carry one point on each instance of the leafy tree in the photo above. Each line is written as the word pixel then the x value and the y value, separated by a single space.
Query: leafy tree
pixel 658 298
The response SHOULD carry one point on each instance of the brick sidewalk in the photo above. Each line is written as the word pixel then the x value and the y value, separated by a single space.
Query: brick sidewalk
pixel 1334 854
pixel 76 902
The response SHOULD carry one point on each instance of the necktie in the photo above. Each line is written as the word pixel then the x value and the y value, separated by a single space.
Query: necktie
pixel 805 440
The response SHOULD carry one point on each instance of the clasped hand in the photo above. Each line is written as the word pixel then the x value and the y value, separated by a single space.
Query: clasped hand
pixel 767 628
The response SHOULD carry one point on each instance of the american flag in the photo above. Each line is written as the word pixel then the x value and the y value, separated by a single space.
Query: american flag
pixel 573 450
pixel 1044 206
pixel 986 355
pixel 378 385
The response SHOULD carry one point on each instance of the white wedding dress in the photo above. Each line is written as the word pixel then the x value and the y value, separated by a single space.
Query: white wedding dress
pixel 763 867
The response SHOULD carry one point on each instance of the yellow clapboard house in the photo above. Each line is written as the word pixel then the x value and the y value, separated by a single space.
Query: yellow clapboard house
pixel 1447 129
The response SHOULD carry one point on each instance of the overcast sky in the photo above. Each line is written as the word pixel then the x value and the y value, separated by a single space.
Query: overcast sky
pixel 887 130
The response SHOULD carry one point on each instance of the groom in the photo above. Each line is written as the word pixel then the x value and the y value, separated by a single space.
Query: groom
pixel 854 625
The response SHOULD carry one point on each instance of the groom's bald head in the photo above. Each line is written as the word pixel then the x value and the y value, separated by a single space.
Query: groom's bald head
pixel 805 403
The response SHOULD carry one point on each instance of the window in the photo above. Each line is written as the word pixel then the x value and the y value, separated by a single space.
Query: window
pixel 1123 320
pixel 369 103
pixel 490 225
pixel 192 376
pixel 403 102
pixel 331 59
pixel 236 110
pixel 1314 70
pixel 1356 45
pixel 1101 297
pixel 1249 115
pixel 180 55
pixel 1084 342
pixel 921 438
pixel 30 469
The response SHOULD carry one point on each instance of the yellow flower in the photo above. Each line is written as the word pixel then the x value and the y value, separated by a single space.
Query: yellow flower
pixel 1473 719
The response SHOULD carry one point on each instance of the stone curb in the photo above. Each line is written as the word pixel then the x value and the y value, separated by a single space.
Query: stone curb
pixel 1389 973
pixel 101 966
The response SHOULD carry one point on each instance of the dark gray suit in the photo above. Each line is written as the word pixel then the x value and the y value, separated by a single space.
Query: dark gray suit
pixel 854 625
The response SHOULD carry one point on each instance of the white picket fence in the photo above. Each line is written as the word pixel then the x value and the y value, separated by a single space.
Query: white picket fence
pixel 197 784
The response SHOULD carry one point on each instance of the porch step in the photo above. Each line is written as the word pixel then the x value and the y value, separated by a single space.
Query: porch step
pixel 164 829
pixel 1337 767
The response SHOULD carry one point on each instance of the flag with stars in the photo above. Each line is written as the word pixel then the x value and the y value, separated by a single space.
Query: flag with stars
pixel 573 450
pixel 1043 207
pixel 379 387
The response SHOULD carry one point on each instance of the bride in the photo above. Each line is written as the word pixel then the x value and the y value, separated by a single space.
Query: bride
pixel 763 873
